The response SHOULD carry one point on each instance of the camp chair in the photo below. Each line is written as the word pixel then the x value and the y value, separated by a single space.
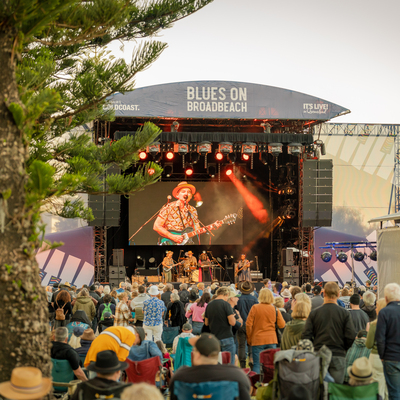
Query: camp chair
pixel 342 392
pixel 226 357
pixel 183 355
pixel 143 371
pixel 61 373
pixel 169 334
pixel 267 365
pixel 91 392
pixel 227 390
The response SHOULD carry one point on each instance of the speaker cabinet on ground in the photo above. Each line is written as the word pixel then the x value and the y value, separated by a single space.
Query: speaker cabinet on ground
pixel 118 256
pixel 317 192
pixel 117 272
pixel 287 257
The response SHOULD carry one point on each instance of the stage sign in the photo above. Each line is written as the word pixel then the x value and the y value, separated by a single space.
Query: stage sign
pixel 218 221
pixel 222 99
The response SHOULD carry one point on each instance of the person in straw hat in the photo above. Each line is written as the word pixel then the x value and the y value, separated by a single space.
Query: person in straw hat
pixel 26 383
pixel 360 373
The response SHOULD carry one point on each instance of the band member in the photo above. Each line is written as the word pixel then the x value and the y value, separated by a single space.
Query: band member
pixel 174 217
pixel 190 264
pixel 243 269
pixel 206 268
pixel 167 264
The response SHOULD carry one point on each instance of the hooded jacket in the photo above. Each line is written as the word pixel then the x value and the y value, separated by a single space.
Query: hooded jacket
pixel 85 304
pixel 292 333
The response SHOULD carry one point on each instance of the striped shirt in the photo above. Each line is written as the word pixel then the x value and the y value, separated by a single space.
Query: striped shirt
pixel 357 350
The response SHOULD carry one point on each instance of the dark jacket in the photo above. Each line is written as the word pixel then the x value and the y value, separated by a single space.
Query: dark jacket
pixel 184 296
pixel 176 313
pixel 246 301
pixel 105 387
pixel 371 312
pixel 387 332
pixel 85 344
pixel 166 298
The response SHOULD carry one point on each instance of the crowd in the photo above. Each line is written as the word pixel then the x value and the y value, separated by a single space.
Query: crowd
pixel 100 331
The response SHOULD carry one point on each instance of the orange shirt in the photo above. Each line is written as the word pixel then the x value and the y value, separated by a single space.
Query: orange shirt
pixel 260 324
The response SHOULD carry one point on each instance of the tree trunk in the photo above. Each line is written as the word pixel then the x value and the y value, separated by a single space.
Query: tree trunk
pixel 24 329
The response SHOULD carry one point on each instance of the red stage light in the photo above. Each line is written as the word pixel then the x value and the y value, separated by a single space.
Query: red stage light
pixel 189 171
pixel 229 171
pixel 245 157
pixel 142 155
pixel 151 171
pixel 219 156
pixel 170 155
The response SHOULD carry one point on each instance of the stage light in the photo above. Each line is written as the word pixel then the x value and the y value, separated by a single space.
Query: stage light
pixel 194 157
pixel 154 148
pixel 232 157
pixel 189 170
pixel 341 256
pixel 157 157
pixel 142 155
pixel 264 158
pixel 219 156
pixel 140 262
pixel 249 148
pixel 229 171
pixel 245 157
pixel 358 256
pixel 204 148
pixel 170 155
pixel 326 256
pixel 151 171
pixel 275 149
pixel 181 148
pixel 152 263
pixel 211 170
pixel 295 148
pixel 168 170
pixel 225 147
pixel 373 256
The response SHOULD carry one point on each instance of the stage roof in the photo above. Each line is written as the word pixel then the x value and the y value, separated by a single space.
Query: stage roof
pixel 222 100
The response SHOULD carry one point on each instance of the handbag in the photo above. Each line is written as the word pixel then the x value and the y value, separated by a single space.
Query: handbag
pixel 278 332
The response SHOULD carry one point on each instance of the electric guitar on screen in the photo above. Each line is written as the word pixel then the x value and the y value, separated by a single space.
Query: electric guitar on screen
pixel 189 232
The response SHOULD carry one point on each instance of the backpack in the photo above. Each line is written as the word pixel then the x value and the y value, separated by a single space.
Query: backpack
pixel 60 316
pixel 107 308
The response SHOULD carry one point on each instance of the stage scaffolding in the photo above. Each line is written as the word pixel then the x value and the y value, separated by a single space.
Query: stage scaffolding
pixel 100 254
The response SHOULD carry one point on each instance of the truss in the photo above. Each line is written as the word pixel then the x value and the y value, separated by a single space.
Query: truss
pixel 100 254
pixel 328 129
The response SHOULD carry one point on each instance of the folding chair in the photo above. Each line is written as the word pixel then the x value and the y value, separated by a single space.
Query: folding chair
pixel 226 357
pixel 143 371
pixel 227 390
pixel 61 373
pixel 267 365
pixel 169 334
pixel 342 392
pixel 183 354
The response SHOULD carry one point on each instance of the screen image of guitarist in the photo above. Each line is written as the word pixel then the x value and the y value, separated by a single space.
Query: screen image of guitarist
pixel 179 222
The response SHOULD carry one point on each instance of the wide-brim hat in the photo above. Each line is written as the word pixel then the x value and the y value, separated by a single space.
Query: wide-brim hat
pixel 182 185
pixel 140 331
pixel 161 286
pixel 246 287
pixel 107 362
pixel 286 294
pixel 153 291
pixel 361 370
pixel 88 334
pixel 27 383
pixel 190 252
pixel 65 284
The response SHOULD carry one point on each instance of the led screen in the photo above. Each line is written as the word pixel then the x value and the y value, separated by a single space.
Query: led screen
pixel 156 219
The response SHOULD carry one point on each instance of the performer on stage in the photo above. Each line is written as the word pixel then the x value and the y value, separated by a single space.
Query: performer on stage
pixel 190 265
pixel 206 268
pixel 174 217
pixel 167 264
pixel 243 269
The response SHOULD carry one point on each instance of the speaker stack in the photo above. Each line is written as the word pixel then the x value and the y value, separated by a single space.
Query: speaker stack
pixel 117 271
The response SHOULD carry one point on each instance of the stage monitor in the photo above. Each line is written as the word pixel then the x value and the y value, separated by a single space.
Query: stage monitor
pixel 177 220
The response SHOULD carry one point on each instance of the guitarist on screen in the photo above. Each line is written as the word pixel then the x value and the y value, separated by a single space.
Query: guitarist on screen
pixel 243 269
pixel 175 216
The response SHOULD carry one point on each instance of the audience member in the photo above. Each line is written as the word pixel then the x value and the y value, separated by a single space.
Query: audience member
pixel 123 315
pixel 220 317
pixel 308 290
pixel 357 350
pixel 376 362
pixel 85 303
pixel 142 391
pixel 140 299
pixel 106 322
pixel 276 289
pixel 62 309
pixel 279 303
pixel 317 300
pixel 86 341
pixel 61 350
pixel 108 369
pixel 75 339
pixel 206 368
pixel 388 339
pixel 143 349
pixel 360 373
pixel 359 317
pixel 301 297
pixel 186 332
pixel 175 315
pixel 294 328
pixel 332 326
pixel 26 383
pixel 166 296
pixel 285 294
pixel 369 299
pixel 166 356
pixel 345 298
pixel 196 313
pixel 293 291
pixel 106 306
pixel 260 326
pixel 122 287
pixel 153 311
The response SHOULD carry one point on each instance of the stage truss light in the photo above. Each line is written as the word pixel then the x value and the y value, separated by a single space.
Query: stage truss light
pixel 154 148
pixel 142 155
pixel 232 157
pixel 295 149
pixel 249 148
pixel 358 256
pixel 194 157
pixel 326 256
pixel 264 157
pixel 245 157
pixel 219 156
pixel 157 157
pixel 189 170
pixel 181 148
pixel 204 148
pixel 170 155
pixel 225 147
pixel 341 256
pixel 275 149
pixel 140 262
pixel 152 263
pixel 373 256
pixel 211 170
pixel 229 171
pixel 168 170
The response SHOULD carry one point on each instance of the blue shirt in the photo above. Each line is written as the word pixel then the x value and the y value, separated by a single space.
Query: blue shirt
pixel 147 349
pixel 152 310
pixel 387 332
pixel 246 301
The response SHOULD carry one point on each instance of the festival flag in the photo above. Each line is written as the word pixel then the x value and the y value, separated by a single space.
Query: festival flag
pixel 42 274
pixel 371 274
pixel 54 280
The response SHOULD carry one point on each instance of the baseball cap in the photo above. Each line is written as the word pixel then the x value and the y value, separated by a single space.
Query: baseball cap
pixel 187 326
pixel 206 344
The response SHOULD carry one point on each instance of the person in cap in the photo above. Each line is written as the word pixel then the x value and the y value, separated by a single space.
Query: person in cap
pixel 357 350
pixel 26 383
pixel 245 302
pixel 144 349
pixel 205 367
pixel 360 318
pixel 187 330
pixel 108 369
pixel 153 313
pixel 317 300
pixel 360 373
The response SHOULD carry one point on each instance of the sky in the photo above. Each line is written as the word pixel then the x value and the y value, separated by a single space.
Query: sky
pixel 343 51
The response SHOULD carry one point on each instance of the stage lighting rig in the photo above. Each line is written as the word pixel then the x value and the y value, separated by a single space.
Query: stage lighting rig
pixel 170 155
pixel 326 256
pixel 374 256
pixel 142 155
pixel 204 147
pixel 229 171
pixel 140 262
pixel 295 149
pixel 341 256
pixel 219 156
pixel 189 170
pixel 168 170
pixel 358 256
pixel 212 170
pixel 225 147
pixel 275 149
